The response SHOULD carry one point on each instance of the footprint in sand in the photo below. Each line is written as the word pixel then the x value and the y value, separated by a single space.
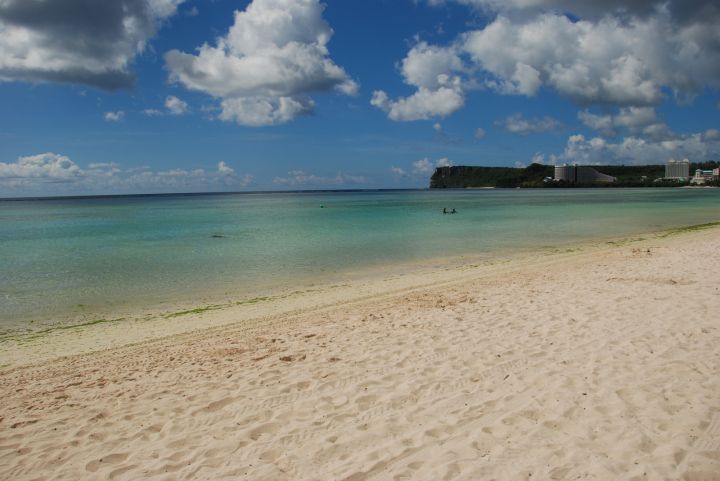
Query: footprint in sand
pixel 267 428
pixel 215 406
pixel 110 459
pixel 120 471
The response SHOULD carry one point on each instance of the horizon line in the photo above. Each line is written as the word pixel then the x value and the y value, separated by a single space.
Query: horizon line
pixel 214 193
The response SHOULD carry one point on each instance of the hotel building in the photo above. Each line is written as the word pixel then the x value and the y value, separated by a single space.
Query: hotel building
pixel 677 169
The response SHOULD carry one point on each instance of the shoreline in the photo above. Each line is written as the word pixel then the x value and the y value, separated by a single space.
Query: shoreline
pixel 599 363
pixel 225 296
pixel 133 326
pixel 138 275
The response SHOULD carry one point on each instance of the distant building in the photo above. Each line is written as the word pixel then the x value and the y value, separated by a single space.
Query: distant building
pixel 702 176
pixel 580 174
pixel 677 169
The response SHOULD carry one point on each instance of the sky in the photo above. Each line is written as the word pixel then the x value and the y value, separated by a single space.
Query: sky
pixel 145 96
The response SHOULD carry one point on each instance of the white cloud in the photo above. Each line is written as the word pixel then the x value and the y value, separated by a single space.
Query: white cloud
pixel 518 124
pixel 225 169
pixel 260 111
pixel 635 120
pixel 77 41
pixel 423 104
pixel 636 150
pixel 175 106
pixel 274 56
pixel 602 123
pixel 425 166
pixel 422 166
pixel 538 158
pixel 398 171
pixel 47 167
pixel 479 133
pixel 684 10
pixel 439 91
pixel 635 117
pixel 612 52
pixel 246 180
pixel 51 174
pixel 711 135
pixel 301 178
pixel 114 116
pixel 602 62
pixel 425 65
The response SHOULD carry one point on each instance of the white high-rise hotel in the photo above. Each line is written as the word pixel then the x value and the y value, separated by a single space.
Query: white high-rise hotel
pixel 677 169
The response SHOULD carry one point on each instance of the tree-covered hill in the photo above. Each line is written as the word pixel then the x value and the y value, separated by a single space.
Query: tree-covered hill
pixel 534 175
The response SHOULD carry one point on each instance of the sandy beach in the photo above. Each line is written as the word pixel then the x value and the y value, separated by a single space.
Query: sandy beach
pixel 595 363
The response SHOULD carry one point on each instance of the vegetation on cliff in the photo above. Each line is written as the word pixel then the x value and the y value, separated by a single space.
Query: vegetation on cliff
pixel 535 175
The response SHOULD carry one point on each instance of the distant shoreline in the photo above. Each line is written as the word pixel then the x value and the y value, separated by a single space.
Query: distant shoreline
pixel 545 176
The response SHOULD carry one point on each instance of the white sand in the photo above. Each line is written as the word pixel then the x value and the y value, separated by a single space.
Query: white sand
pixel 597 364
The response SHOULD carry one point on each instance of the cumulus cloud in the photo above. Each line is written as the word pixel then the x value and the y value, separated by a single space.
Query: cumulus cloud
pixel 636 120
pixel 517 124
pixel 176 106
pixel 439 90
pixel 398 171
pixel 426 166
pixel 538 158
pixel 479 133
pixel 602 123
pixel 264 69
pixel 697 147
pixel 422 166
pixel 225 169
pixel 47 167
pixel 260 111
pixel 683 10
pixel 114 116
pixel 590 62
pixel 77 41
pixel 613 52
pixel 50 174
pixel 424 103
pixel 711 135
pixel 173 106
pixel 296 178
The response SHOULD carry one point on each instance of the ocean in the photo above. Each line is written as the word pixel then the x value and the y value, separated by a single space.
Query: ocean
pixel 68 258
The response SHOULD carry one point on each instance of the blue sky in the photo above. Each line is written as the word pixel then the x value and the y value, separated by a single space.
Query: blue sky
pixel 302 94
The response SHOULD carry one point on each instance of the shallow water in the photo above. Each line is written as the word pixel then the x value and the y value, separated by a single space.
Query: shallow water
pixel 71 256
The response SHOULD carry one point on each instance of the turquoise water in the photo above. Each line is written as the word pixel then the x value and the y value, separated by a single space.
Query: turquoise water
pixel 77 256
